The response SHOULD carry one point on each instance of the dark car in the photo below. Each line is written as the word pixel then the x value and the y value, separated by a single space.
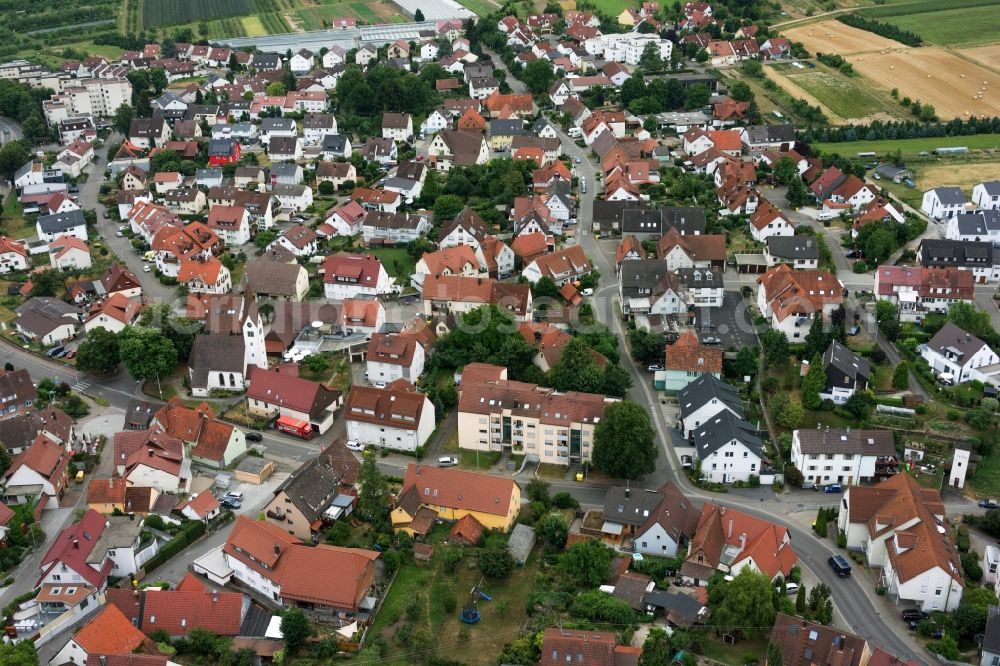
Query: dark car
pixel 832 488
pixel 839 566
pixel 54 352
pixel 254 437
pixel 230 503
pixel 854 254
pixel 989 504
pixel 912 615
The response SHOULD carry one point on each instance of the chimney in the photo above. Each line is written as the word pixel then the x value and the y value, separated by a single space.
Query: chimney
pixel 151 453
pixel 729 533
pixel 277 549
pixel 76 543
pixel 417 470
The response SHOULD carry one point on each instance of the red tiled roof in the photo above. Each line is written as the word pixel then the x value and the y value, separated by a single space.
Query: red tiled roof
pixel 688 354
pixel 359 269
pixel 459 489
pixel 399 405
pixel 202 504
pixel 328 575
pixel 110 632
pixel 178 611
pixel 788 291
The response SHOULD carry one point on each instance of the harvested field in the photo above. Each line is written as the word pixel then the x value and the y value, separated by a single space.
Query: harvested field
pixel 934 76
pixel 835 37
pixel 840 97
pixel 988 55
pixel 959 175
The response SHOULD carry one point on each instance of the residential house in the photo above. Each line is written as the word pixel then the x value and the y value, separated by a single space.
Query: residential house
pixel 69 253
pixel 986 195
pixel 901 529
pixel 47 320
pixel 799 252
pixel 497 414
pixel 397 126
pixel 395 417
pixel 335 146
pixel 728 540
pixel 392 228
pixel 231 224
pixel 185 201
pixel 943 203
pixel 705 398
pixel 790 299
pixel 729 448
pixel 982 259
pixel 281 392
pixel 345 220
pixel 467 228
pixel 43 465
pixel 71 223
pixel 337 173
pixel 432 493
pixel 151 458
pixel 210 441
pixel 303 501
pixel 299 240
pixel 456 294
pixel 956 357
pixel 846 373
pixel 768 221
pixel 687 360
pixel 293 198
pixel 761 138
pixel 804 643
pixel 378 149
pixel 325 581
pixel 113 314
pixel 567 265
pixel 347 275
pixel 204 276
pixel 647 287
pixel 148 132
pixel 591 648
pixel 918 291
pixel 651 522
pixel 495 257
pixel 108 635
pixel 990 647
pixel 846 456
pixel 700 251
pixel 394 356
pixel 17 394
pixel 106 496
pixel 976 226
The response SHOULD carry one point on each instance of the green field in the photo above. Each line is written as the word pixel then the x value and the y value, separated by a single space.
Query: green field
pixel 397 262
pixel 951 27
pixel 312 18
pixel 480 7
pixel 841 94
pixel 910 147
pixel 612 7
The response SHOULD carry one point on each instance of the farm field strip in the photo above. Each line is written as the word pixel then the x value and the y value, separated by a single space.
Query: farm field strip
pixel 835 37
pixel 172 12
pixel 955 87
pixel 252 26
pixel 838 94
pixel 911 147
pixel 988 55
pixel 480 7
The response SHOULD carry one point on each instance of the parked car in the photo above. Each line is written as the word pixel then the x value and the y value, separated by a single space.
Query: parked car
pixel 832 488
pixel 854 330
pixel 235 495
pixel 654 367
pixel 587 292
pixel 912 615
pixel 145 268
pixel 354 446
pixel 855 254
pixel 54 352
pixel 791 588
pixel 989 504
pixel 71 354
pixel 230 503
pixel 254 437
pixel 711 340
pixel 839 566
pixel 447 461
pixel 809 485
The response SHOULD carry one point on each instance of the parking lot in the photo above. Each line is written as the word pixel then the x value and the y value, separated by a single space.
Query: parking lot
pixel 732 323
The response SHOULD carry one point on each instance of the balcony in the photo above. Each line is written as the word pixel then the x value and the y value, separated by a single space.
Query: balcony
pixel 276 514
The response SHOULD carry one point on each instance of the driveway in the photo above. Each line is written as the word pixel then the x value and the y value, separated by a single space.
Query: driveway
pixel 732 323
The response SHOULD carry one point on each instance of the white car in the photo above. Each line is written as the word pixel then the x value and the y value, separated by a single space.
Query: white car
pixel 380 385
pixel 354 446
pixel 587 292
pixel 146 268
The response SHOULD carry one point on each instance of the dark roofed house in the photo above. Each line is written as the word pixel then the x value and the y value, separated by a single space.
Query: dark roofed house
pixel 861 455
pixel 300 502
pixel 588 648
pixel 657 522
pixel 846 372
pixel 801 252
pixel 729 448
pixel 805 643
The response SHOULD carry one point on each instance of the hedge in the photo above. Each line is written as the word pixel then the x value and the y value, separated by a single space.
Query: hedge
pixel 188 534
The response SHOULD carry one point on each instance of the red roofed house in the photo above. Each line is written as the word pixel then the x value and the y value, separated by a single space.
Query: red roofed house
pixel 347 275
pixel 178 611
pixel 200 506
pixel 728 540
pixel 151 458
pixel 918 291
pixel 686 360
pixel 590 648
pixel 68 253
pixel 281 392
pixel 768 220
pixel 567 265
pixel 456 294
pixel 209 441
pixel 73 572
pixel 394 356
pixel 113 314
pixel 326 581
pixel 789 299
pixel 109 633
pixel 13 255
pixel 395 417
pixel 43 464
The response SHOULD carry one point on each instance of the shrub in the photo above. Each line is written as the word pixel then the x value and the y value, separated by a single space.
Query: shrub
pixel 842 539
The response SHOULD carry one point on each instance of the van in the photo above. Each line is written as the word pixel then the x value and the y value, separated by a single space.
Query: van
pixel 826 215
pixel 575 132
pixel 447 461
pixel 839 566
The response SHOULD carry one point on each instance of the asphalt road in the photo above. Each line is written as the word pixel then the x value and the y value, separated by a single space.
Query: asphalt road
pixel 13 130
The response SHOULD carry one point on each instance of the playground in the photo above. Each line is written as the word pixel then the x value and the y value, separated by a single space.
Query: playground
pixel 431 607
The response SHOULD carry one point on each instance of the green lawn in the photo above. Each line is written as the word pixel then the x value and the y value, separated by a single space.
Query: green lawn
pixel 612 7
pixel 480 7
pixel 14 224
pixel 986 480
pixel 951 27
pixel 841 94
pixel 397 262
pixel 910 147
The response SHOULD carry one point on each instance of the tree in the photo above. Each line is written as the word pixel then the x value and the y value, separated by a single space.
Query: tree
pixel 294 630
pixel 791 415
pixel 538 491
pixel 21 653
pixel 800 600
pixel 901 376
pixel 5 458
pixel 814 383
pixel 446 208
pixel 785 170
pixel 146 352
pixel 746 605
pixel 817 340
pixel 13 156
pixel 576 370
pixel 544 288
pixel 796 196
pixel 696 96
pixel 496 562
pixel 746 363
pixel 587 562
pixel 373 496
pixel 971 319
pixel 418 16
pixel 326 188
pixel 774 656
pixel 98 353
pixel 647 346
pixel 887 316
pixel 276 89
pixel 860 404
pixel 624 441
pixel 877 241
pixel 553 530
pixel 538 76
pixel 775 345
pixel 651 62
pixel 47 282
